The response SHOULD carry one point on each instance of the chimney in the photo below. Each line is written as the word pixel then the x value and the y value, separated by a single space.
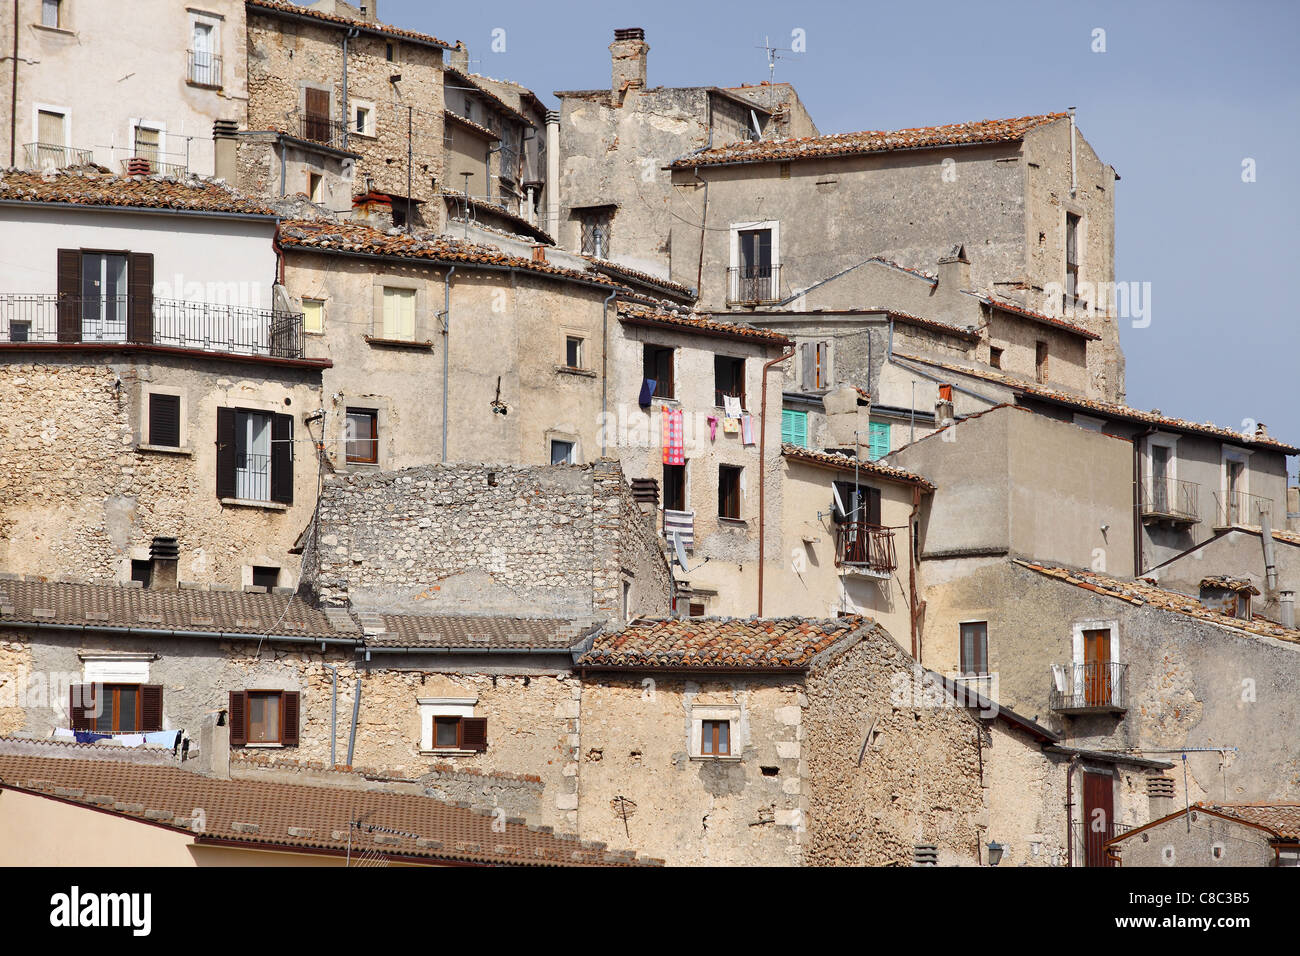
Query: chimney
pixel 1286 608
pixel 368 10
pixel 539 252
pixel 458 57
pixel 164 558
pixel 1261 431
pixel 214 746
pixel 954 269
pixel 1160 796
pixel 943 408
pixel 225 151
pixel 627 55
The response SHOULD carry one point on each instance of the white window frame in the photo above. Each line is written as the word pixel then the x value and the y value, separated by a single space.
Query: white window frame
pixel 581 336
pixel 143 122
pixel 146 437
pixel 1242 455
pixel 124 668
pixel 727 712
pixel 1090 423
pixel 431 707
pixel 372 116
pixel 38 109
pixel 1076 647
pixel 212 20
pixel 734 253
pixel 1164 440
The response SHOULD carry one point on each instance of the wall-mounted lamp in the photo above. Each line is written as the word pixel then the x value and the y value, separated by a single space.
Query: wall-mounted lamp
pixel 995 852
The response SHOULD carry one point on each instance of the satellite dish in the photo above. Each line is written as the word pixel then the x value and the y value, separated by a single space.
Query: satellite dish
pixel 681 550
pixel 839 502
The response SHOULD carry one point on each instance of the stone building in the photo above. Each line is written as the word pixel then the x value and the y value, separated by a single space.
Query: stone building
pixel 1211 834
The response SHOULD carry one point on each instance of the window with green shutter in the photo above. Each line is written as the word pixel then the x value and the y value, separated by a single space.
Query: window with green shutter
pixel 879 441
pixel 794 428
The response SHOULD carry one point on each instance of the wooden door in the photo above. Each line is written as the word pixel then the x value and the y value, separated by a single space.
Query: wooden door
pixel 1098 817
pixel 317 115
pixel 1096 667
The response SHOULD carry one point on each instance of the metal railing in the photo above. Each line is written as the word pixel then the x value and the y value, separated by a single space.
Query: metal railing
pixel 321 129
pixel 1090 838
pixel 38 156
pixel 205 69
pixel 752 285
pixel 865 547
pixel 1238 508
pixel 252 477
pixel 1089 687
pixel 1172 499
pixel 151 165
pixel 200 326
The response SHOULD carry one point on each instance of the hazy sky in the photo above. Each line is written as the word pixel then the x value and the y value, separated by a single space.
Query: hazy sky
pixel 1182 95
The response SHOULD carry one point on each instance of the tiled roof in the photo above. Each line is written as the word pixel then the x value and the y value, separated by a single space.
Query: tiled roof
pixel 358 238
pixel 483 130
pixel 261 813
pixel 1041 318
pixel 969 334
pixel 845 463
pixel 1282 818
pixel 720 643
pixel 1111 409
pixel 692 321
pixel 112 606
pixel 870 141
pixel 1237 585
pixel 278 6
pixel 456 76
pixel 137 192
pixel 632 275
pixel 524 227
pixel 1144 594
pixel 410 630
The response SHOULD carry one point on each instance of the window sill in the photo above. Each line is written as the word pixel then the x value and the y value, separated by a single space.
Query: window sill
pixel 728 758
pixel 63 30
pixel 568 370
pixel 204 86
pixel 399 343
pixel 670 402
pixel 166 449
pixel 735 522
pixel 246 503
pixel 448 753
pixel 264 746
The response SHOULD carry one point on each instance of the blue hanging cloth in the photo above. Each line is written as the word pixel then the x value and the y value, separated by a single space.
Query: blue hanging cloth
pixel 647 391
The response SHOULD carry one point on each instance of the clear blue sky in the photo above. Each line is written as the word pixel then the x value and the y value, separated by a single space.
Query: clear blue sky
pixel 1183 94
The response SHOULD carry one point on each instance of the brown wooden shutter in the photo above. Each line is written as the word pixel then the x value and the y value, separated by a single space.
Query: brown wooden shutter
pixel 225 453
pixel 139 309
pixel 236 716
pixel 282 459
pixel 69 311
pixel 289 718
pixel 473 733
pixel 81 707
pixel 151 708
pixel 165 420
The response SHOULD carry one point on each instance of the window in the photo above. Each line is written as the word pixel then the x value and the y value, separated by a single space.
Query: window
pixel 563 452
pixel 728 379
pixel 794 428
pixel 460 733
pixel 1071 256
pixel 164 420
pixel 362 436
pixel 815 364
pixel 51 140
pixel 313 315
pixel 254 456
pixel 264 717
pixel 696 609
pixel 975 648
pixel 116 708
pixel 103 297
pixel 879 439
pixel 205 65
pixel 148 143
pixel 715 738
pixel 51 11
pixel 266 577
pixel 995 357
pixel 856 503
pixel 469 108
pixel 363 118
pixel 597 225
pixel 316 187
pixel 573 351
pixel 729 491
pixel 675 487
pixel 399 314
pixel 658 368
pixel 142 571
pixel 388 52
pixel 1040 361
pixel 755 272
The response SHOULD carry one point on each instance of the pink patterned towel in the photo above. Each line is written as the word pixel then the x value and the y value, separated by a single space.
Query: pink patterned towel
pixel 674 449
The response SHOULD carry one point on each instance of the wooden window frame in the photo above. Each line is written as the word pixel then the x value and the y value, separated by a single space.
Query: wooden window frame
pixel 1042 358
pixel 114 691
pixel 664 388
pixel 730 505
pixel 982 652
pixel 373 415
pixel 995 356
pixel 733 362
pixel 710 738
pixel 248 719
pixel 685 495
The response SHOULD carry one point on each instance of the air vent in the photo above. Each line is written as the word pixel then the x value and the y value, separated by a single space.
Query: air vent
pixel 1160 787
pixel 165 549
pixel 925 854
pixel 630 33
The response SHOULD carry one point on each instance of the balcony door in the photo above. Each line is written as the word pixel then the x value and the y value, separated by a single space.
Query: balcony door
pixel 1096 667
pixel 1098 817
pixel 252 456
pixel 755 277
pixel 103 297
pixel 1160 479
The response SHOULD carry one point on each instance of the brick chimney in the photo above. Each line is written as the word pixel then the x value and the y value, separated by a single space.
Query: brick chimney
pixel 627 56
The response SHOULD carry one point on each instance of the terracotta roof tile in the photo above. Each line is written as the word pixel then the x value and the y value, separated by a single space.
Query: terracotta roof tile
pixel 266 813
pixel 476 127
pixel 137 192
pixel 720 643
pixel 1282 818
pixel 619 271
pixel 845 463
pixel 869 141
pixel 411 630
pixel 1041 318
pixel 693 321
pixel 278 6
pixel 451 73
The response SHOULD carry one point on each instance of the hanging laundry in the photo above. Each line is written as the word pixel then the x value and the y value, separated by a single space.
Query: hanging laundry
pixel 731 426
pixel 731 406
pixel 130 740
pixel 647 391
pixel 86 737
pixel 713 428
pixel 162 738
pixel 674 446
pixel 747 427
pixel 62 733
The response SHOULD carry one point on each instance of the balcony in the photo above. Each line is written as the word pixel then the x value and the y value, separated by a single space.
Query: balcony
pixel 197 326
pixel 153 163
pixel 318 128
pixel 1092 687
pixel 865 549
pixel 753 285
pixel 204 69
pixel 40 156
pixel 1233 508
pixel 1166 500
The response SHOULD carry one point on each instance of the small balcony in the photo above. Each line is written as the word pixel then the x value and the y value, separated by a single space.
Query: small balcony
pixel 1092 687
pixel 204 69
pixel 41 156
pixel 109 319
pixel 1233 508
pixel 1166 500
pixel 865 549
pixel 153 163
pixel 753 285
pixel 318 128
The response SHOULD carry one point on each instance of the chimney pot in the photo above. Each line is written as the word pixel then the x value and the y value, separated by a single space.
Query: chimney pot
pixel 628 59
pixel 1286 608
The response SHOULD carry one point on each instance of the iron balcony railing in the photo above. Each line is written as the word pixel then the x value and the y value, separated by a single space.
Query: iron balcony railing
pixel 38 156
pixel 1089 687
pixel 319 128
pixel 865 547
pixel 1238 508
pixel 205 68
pixel 201 326
pixel 753 285
pixel 152 164
pixel 252 477
pixel 1171 499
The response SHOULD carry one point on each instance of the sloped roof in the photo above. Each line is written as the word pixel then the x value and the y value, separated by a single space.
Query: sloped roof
pixel 868 141
pixel 620 271
pixel 134 192
pixel 365 26
pixel 725 644
pixel 260 813
pixel 411 630
pixel 451 73
pixel 1282 818
pixel 692 321
pixel 1040 318
pixel 871 469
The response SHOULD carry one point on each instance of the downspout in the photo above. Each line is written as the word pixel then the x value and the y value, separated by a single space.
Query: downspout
pixel 1074 178
pixel 1266 538
pixel 762 472
pixel 1069 811
pixel 334 710
pixel 350 34
pixel 13 99
pixel 284 161
pixel 911 570
pixel 446 346
pixel 604 371
pixel 356 712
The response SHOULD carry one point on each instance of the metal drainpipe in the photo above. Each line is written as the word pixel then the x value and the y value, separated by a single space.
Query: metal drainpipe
pixel 13 99
pixel 1069 811
pixel 350 34
pixel 911 569
pixel 762 472
pixel 604 371
pixel 283 162
pixel 334 710
pixel 1270 564
pixel 356 712
pixel 446 346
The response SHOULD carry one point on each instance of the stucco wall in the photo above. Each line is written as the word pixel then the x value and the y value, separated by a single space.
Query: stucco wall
pixel 1171 844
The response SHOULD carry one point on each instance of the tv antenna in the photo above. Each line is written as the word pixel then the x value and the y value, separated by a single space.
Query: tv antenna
pixel 773 54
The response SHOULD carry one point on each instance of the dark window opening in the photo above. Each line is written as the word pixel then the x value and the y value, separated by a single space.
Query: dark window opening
pixel 264 577
pixel 460 733
pixel 728 379
pixel 165 420
pixel 995 357
pixel 770 771
pixel 857 503
pixel 696 610
pixel 597 225
pixel 729 491
pixel 1071 256
pixel 657 367
pixel 975 648
pixel 675 487
pixel 1040 361
pixel 573 351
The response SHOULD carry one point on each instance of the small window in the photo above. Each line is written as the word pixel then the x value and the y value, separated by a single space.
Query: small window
pixel 879 439
pixel 729 491
pixel 316 187
pixel 728 379
pixel 995 357
pixel 266 717
pixel 975 648
pixel 469 108
pixel 51 13
pixel 362 437
pixel 266 577
pixel 116 708
pixel 148 143
pixel 794 428
pixel 364 118
pixel 142 571
pixel 675 487
pixel 164 420
pixel 313 315
pixel 460 733
pixel 597 225
pixel 263 717
pixel 389 53
pixel 658 368
pixel 1071 255
pixel 399 314
pixel 1040 361
pixel 696 609
pixel 563 452
pixel 815 362
pixel 715 738
pixel 573 351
